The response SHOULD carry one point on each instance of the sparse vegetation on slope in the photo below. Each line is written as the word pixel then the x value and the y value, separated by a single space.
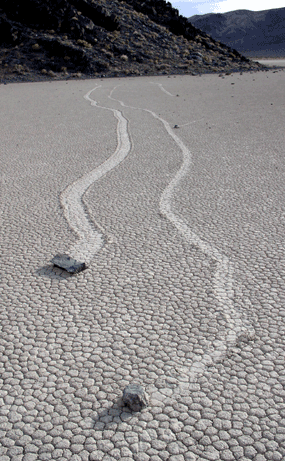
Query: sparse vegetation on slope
pixel 42 39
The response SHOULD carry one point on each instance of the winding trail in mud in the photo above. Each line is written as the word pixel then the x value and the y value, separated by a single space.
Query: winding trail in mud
pixel 75 210
pixel 223 277
pixel 91 238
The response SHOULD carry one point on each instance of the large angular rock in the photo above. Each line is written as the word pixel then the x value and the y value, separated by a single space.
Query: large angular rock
pixel 69 264
pixel 135 397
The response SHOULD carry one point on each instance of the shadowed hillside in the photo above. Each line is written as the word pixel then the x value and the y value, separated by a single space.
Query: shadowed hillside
pixel 253 33
pixel 42 39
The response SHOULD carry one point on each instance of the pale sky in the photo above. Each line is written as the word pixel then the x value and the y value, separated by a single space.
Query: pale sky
pixel 190 7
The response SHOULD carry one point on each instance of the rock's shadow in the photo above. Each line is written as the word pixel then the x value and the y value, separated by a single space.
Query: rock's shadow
pixel 117 413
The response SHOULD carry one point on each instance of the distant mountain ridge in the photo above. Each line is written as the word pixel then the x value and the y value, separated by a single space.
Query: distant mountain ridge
pixel 253 33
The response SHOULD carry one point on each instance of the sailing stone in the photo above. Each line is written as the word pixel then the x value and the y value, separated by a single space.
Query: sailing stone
pixel 69 264
pixel 135 397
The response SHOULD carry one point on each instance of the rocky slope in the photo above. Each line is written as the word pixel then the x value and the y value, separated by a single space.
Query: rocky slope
pixel 42 39
pixel 253 33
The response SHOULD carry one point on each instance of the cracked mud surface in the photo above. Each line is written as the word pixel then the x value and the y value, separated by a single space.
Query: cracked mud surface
pixel 147 308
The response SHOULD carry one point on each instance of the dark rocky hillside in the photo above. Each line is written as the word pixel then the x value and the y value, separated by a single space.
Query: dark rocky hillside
pixel 253 33
pixel 42 39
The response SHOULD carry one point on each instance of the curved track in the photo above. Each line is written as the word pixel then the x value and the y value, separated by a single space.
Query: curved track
pixel 90 240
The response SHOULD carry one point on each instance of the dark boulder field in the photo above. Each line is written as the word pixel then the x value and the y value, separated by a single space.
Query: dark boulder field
pixel 59 39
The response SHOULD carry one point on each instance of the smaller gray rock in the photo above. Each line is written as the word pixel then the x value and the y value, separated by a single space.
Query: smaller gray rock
pixel 135 397
pixel 69 264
